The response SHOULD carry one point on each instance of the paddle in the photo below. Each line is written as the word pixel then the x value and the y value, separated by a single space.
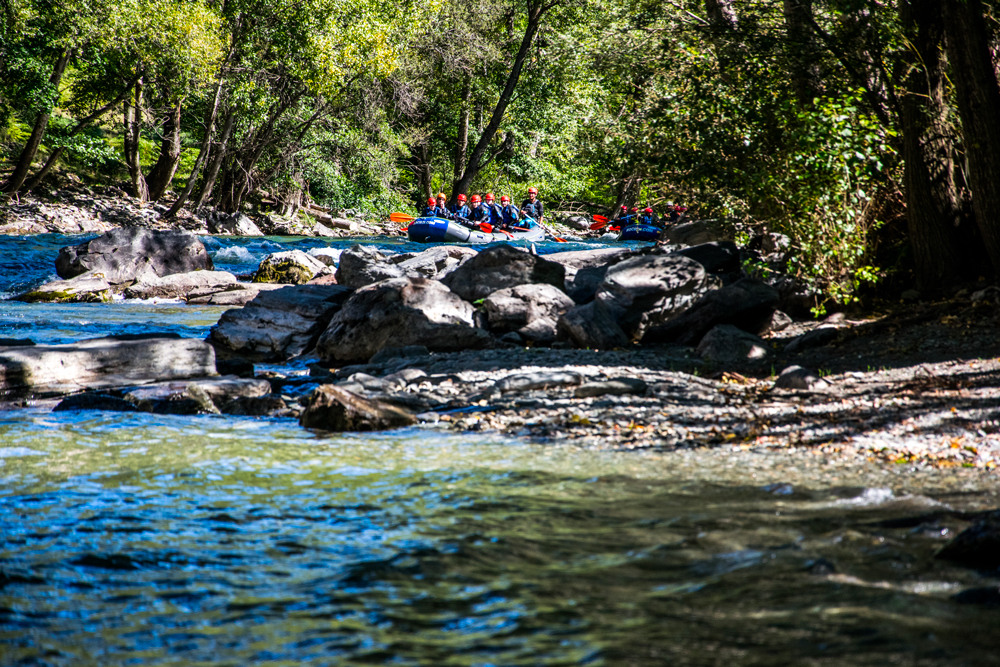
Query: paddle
pixel 601 218
pixel 401 217
pixel 601 222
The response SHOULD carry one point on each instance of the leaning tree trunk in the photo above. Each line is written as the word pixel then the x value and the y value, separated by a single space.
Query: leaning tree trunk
pixel 30 149
pixel 933 209
pixel 163 171
pixel 978 95
pixel 216 162
pixel 133 123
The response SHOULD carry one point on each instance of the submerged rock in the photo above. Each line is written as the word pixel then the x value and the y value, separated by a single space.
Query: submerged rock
pixel 332 408
pixel 119 256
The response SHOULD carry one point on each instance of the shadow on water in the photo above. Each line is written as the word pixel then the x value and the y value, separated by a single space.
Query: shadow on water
pixel 142 539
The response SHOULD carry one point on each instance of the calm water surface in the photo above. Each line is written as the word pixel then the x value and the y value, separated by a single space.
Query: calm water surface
pixel 130 539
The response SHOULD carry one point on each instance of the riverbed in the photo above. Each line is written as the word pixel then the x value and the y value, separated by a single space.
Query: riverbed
pixel 155 539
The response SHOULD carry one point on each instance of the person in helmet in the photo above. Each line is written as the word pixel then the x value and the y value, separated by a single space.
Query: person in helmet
pixel 676 214
pixel 621 215
pixel 648 217
pixel 479 213
pixel 459 211
pixel 431 210
pixel 508 211
pixel 493 209
pixel 532 206
pixel 442 207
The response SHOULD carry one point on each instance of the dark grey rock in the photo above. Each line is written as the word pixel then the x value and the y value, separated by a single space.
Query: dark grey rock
pixel 95 401
pixel 404 352
pixel 720 258
pixel 797 377
pixel 529 310
pixel 542 380
pixel 499 267
pixel 331 408
pixel 747 304
pixel 362 265
pixel 124 253
pixel 815 338
pixel 592 326
pixel 725 343
pixel 615 387
pixel 978 546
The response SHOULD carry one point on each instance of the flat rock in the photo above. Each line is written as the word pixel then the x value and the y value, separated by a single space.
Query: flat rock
pixel 531 311
pixel 45 370
pixel 124 253
pixel 725 343
pixel 84 288
pixel 746 304
pixel 238 294
pixel 179 285
pixel 533 381
pixel 615 387
pixel 291 267
pixel 279 324
pixel 500 267
pixel 332 408
pixel 400 312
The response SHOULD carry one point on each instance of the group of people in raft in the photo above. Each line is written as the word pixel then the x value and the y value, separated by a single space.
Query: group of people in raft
pixel 626 216
pixel 485 210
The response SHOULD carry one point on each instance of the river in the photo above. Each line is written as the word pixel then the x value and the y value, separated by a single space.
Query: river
pixel 137 539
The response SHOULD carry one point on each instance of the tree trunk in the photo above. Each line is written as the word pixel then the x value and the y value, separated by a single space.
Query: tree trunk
pixel 213 167
pixel 30 149
pixel 163 171
pixel 802 51
pixel 933 210
pixel 424 172
pixel 978 96
pixel 133 123
pixel 462 145
pixel 535 12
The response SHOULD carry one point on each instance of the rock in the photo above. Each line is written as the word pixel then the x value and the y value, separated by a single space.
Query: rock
pixel 405 376
pixel 319 229
pixel 399 312
pixel 233 225
pixel 103 362
pixel 978 546
pixel 499 267
pixel 814 338
pixel 727 344
pixel 179 285
pixel 436 262
pixel 796 377
pixel 533 381
pixel 720 259
pixel 84 288
pixel 988 296
pixel 585 269
pixel 910 295
pixel 200 396
pixel 95 400
pixel 615 387
pixel 237 366
pixel 511 338
pixel 530 310
pixel 363 265
pixel 404 352
pixel 238 294
pixel 279 324
pixel 254 406
pixel 291 267
pixel 697 232
pixel 122 254
pixel 768 243
pixel 637 294
pixel 331 408
pixel 779 322
pixel 747 304
pixel 794 297
pixel 326 279
pixel 329 256
pixel 16 342
pixel 577 222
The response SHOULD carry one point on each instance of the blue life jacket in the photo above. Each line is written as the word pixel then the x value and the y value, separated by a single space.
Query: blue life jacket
pixel 480 214
pixel 649 219
pixel 509 213
pixel 459 211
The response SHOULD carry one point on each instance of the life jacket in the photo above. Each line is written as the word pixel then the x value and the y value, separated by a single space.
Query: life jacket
pixel 430 211
pixel 509 213
pixel 459 211
pixel 648 219
pixel 480 214
pixel 532 209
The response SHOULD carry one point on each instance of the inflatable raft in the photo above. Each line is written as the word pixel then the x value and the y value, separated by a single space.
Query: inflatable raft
pixel 439 230
pixel 640 233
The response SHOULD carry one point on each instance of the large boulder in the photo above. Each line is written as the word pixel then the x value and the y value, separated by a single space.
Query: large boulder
pixel 124 253
pixel 362 265
pixel 499 267
pixel 180 285
pixel 85 288
pixel 436 262
pixel 530 310
pixel 279 324
pixel 291 267
pixel 720 258
pixel 43 370
pixel 698 232
pixel 592 326
pixel 398 312
pixel 585 269
pixel 747 304
pixel 332 408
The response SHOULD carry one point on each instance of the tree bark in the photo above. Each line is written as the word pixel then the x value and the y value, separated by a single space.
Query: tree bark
pixel 163 171
pixel 933 208
pixel 424 171
pixel 978 95
pixel 535 12
pixel 132 125
pixel 216 163
pixel 462 144
pixel 30 149
pixel 802 51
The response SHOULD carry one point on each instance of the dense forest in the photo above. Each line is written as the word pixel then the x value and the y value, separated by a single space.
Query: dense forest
pixel 867 131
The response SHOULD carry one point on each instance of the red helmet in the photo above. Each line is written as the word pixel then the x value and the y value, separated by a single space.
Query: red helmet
pixel 504 198
pixel 647 210
pixel 635 209
pixel 624 207
pixel 532 191
pixel 489 196
pixel 476 199
pixel 431 201
pixel 461 197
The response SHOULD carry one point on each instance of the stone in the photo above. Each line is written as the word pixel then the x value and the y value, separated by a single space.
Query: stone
pixel 395 352
pixel 291 267
pixel 332 408
pixel 254 406
pixel 179 285
pixel 95 400
pixel 84 288
pixel 721 258
pixel 615 387
pixel 978 546
pixel 747 304
pixel 585 269
pixel 199 396
pixel 238 294
pixel 47 370
pixel 577 222
pixel 502 266
pixel 436 262
pixel 910 295
pixel 362 265
pixel 815 338
pixel 319 229
pixel 405 376
pixel 533 381
pixel 530 310
pixel 400 312
pixel 124 253
pixel 592 326
pixel 237 366
pixel 233 225
pixel 779 322
pixel 511 338
pixel 279 324
pixel 697 232
pixel 725 343
pixel 797 377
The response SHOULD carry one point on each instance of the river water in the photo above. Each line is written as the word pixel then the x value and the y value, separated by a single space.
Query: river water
pixel 134 539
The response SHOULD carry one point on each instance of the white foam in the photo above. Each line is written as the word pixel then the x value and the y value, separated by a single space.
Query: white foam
pixel 234 254
pixel 329 256
pixel 6 452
